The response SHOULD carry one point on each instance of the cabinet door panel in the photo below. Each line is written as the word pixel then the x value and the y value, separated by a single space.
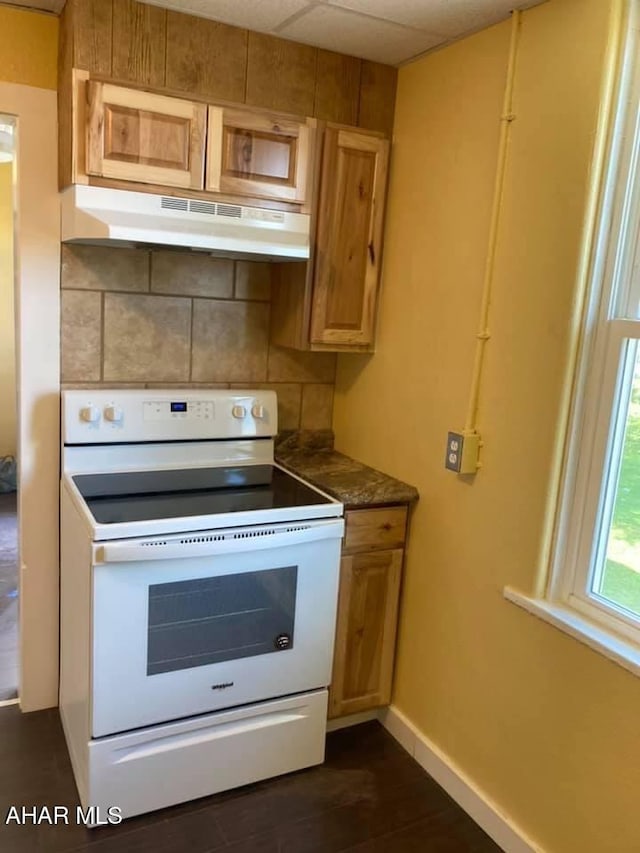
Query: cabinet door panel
pixel 366 632
pixel 138 136
pixel 150 139
pixel 254 154
pixel 349 238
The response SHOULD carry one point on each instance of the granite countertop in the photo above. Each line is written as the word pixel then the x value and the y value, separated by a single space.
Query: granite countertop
pixel 349 481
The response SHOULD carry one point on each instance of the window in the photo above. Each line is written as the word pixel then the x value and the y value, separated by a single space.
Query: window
pixel 597 571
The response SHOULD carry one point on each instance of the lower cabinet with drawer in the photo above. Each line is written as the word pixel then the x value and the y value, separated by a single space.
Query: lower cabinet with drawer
pixel 370 574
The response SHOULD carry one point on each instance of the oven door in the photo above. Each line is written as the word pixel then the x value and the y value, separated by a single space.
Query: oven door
pixel 187 624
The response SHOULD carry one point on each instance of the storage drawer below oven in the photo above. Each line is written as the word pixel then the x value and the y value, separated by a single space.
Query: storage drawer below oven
pixel 172 763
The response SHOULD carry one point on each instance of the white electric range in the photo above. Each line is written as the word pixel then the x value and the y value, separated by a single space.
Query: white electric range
pixel 198 597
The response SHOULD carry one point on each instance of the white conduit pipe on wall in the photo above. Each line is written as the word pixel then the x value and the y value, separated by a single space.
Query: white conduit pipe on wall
pixel 483 336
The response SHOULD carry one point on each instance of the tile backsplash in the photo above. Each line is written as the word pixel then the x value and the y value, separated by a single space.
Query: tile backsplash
pixel 140 318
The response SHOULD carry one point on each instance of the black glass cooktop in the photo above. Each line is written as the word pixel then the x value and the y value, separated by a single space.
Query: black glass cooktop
pixel 148 495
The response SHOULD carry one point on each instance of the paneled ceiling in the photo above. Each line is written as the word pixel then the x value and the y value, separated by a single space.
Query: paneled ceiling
pixel 391 31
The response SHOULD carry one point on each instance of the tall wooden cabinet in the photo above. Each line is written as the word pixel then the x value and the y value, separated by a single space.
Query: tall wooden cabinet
pixel 370 574
pixel 348 244
pixel 330 302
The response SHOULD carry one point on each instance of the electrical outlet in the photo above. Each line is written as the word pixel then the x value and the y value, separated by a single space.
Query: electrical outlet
pixel 453 458
pixel 462 452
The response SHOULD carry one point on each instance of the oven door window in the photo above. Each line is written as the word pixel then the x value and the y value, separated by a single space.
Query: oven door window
pixel 214 619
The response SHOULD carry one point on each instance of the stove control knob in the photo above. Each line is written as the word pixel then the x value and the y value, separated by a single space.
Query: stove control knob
pixel 113 414
pixel 90 414
pixel 282 642
pixel 239 412
pixel 258 411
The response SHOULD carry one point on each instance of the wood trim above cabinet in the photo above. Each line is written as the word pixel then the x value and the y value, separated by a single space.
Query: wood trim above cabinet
pixel 197 57
pixel 139 136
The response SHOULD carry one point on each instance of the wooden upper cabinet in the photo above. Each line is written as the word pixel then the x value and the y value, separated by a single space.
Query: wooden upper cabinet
pixel 138 136
pixel 256 154
pixel 349 238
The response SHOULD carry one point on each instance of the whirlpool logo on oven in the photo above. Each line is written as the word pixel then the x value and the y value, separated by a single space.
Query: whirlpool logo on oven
pixel 223 685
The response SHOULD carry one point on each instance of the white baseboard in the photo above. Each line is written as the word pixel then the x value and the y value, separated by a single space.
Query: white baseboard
pixel 457 784
pixel 352 720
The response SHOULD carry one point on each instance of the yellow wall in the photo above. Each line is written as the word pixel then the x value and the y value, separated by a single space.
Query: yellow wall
pixel 29 48
pixel 544 726
pixel 7 319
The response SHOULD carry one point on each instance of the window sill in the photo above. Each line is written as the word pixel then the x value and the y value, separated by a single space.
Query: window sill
pixel 617 649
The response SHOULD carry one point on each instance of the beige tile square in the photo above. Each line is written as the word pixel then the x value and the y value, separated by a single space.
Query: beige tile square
pixel 289 396
pixel 191 274
pixel 79 386
pixel 80 327
pixel 253 280
pixel 192 386
pixel 104 268
pixel 317 407
pixel 212 385
pixel 230 341
pixel 146 338
pixel 289 365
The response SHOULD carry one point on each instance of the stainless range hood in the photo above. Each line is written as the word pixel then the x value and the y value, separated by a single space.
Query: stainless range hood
pixel 99 216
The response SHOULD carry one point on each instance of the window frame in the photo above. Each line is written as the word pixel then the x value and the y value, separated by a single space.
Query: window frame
pixel 610 341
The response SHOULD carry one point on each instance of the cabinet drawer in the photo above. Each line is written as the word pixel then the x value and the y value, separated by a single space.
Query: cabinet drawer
pixel 368 529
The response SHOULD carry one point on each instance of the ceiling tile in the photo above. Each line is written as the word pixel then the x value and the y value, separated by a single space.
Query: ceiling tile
pixel 262 15
pixel 449 17
pixel 347 32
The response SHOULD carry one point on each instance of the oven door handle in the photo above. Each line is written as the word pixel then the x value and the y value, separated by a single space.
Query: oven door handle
pixel 212 543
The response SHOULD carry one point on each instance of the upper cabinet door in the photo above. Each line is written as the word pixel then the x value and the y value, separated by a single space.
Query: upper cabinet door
pixel 349 238
pixel 139 136
pixel 255 154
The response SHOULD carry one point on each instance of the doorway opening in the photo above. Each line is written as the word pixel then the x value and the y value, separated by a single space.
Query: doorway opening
pixel 8 419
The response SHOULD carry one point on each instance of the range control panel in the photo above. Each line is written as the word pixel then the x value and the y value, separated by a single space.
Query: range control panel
pixel 173 410
pixel 108 416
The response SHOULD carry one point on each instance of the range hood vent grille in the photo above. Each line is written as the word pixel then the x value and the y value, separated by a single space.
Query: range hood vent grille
pixel 230 210
pixel 174 203
pixel 208 207
pixel 202 207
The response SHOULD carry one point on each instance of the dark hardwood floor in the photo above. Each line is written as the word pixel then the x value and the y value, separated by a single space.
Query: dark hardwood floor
pixel 369 797
pixel 8 596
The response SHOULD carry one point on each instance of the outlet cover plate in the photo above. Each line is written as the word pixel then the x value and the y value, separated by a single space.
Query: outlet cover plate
pixel 453 458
